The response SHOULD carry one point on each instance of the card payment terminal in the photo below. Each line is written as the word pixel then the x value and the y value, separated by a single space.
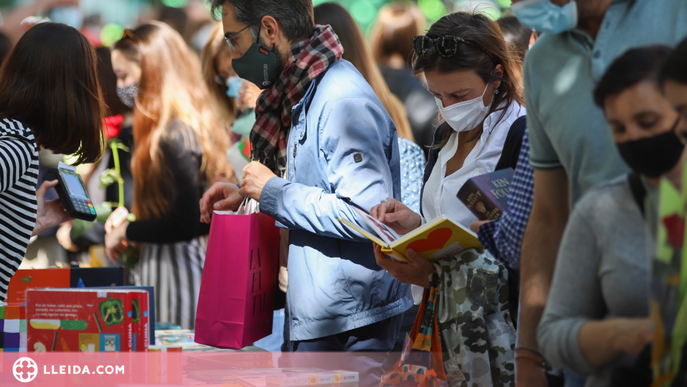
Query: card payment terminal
pixel 72 192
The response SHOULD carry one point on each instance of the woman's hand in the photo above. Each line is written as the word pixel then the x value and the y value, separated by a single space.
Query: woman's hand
pixel 603 341
pixel 474 226
pixel 633 334
pixel 116 242
pixel 397 216
pixel 415 272
pixel 49 213
pixel 116 219
pixel 64 237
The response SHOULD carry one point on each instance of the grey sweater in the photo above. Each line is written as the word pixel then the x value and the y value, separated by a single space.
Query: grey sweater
pixel 601 273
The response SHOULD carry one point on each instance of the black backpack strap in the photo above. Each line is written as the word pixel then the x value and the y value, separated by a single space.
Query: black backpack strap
pixel 511 148
pixel 638 190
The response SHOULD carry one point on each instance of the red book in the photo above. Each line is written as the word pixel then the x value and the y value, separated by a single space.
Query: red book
pixel 487 195
pixel 83 320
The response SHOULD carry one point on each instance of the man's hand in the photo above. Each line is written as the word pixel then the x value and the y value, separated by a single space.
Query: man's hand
pixel 397 216
pixel 255 176
pixel 415 272
pixel 50 213
pixel 220 197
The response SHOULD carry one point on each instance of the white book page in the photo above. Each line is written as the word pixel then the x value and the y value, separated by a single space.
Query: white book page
pixel 386 233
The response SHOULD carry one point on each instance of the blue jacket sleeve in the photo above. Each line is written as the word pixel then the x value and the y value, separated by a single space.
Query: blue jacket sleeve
pixel 357 142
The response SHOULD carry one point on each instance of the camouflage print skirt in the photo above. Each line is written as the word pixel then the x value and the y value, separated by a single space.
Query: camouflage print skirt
pixel 475 326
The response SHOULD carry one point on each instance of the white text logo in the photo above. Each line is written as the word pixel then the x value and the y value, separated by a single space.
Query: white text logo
pixel 25 369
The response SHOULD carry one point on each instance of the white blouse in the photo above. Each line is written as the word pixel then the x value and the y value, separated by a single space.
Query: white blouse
pixel 440 191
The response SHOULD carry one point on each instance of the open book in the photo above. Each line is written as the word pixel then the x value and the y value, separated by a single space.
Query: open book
pixel 439 238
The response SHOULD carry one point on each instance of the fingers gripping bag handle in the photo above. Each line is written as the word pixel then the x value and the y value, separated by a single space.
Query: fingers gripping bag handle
pixel 248 206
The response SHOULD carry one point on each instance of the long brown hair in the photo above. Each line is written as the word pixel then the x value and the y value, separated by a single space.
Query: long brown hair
pixel 170 88
pixel 208 58
pixel 486 48
pixel 357 52
pixel 49 82
pixel 397 23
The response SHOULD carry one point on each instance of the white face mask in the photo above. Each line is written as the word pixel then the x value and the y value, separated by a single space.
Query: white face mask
pixel 466 115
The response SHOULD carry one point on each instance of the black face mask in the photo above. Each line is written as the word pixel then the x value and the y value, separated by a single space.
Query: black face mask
pixel 653 156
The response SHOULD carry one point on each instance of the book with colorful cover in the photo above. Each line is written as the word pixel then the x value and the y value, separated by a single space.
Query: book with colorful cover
pixel 436 239
pixel 311 378
pixel 84 320
pixel 486 195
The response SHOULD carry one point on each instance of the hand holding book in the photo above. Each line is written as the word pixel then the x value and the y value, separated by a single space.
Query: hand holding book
pixel 436 239
pixel 397 216
pixel 416 271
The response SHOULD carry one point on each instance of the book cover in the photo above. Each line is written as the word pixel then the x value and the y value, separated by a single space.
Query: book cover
pixel 139 320
pixel 439 238
pixel 486 196
pixel 150 314
pixel 70 320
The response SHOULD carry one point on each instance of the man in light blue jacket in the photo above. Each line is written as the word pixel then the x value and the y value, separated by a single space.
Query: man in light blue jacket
pixel 323 144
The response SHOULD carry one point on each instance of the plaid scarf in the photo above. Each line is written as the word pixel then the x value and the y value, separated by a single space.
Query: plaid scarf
pixel 306 61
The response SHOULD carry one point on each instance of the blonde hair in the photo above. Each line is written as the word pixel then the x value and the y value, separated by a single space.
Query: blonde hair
pixel 171 89
pixel 208 57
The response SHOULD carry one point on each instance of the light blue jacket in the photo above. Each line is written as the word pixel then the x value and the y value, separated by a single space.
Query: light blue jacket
pixel 342 148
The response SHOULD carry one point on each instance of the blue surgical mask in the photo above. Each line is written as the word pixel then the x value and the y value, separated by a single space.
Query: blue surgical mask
pixel 544 16
pixel 70 16
pixel 233 87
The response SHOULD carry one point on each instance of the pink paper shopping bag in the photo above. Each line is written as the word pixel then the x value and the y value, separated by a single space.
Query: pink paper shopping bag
pixel 239 281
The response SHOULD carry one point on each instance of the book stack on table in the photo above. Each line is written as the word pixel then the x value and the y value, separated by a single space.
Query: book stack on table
pixel 13 327
pixel 277 377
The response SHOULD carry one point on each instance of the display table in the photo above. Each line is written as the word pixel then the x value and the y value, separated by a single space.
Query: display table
pixel 182 340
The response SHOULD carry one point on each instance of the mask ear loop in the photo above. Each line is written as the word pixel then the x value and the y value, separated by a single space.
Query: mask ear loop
pixel 682 136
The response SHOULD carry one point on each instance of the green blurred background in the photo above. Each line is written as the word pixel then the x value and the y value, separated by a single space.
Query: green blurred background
pixel 127 12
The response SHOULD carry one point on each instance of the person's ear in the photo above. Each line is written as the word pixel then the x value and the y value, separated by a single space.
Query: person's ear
pixel 269 29
pixel 498 73
pixel 533 38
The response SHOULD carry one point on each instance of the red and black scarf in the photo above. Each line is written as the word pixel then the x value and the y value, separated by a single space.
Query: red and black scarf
pixel 307 60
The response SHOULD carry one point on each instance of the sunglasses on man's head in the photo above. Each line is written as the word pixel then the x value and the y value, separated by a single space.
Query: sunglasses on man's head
pixel 447 45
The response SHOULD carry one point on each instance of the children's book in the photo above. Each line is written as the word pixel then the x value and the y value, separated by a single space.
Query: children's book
pixel 436 239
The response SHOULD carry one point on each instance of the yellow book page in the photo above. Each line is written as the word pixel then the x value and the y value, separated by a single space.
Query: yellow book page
pixel 440 238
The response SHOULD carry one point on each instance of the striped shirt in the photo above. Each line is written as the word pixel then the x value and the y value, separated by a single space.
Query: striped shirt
pixel 18 206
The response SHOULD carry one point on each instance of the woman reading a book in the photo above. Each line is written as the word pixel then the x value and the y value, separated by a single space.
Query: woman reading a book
pixel 472 75
pixel 596 318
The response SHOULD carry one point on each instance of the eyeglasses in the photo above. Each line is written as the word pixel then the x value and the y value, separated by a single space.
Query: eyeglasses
pixel 231 38
pixel 447 45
